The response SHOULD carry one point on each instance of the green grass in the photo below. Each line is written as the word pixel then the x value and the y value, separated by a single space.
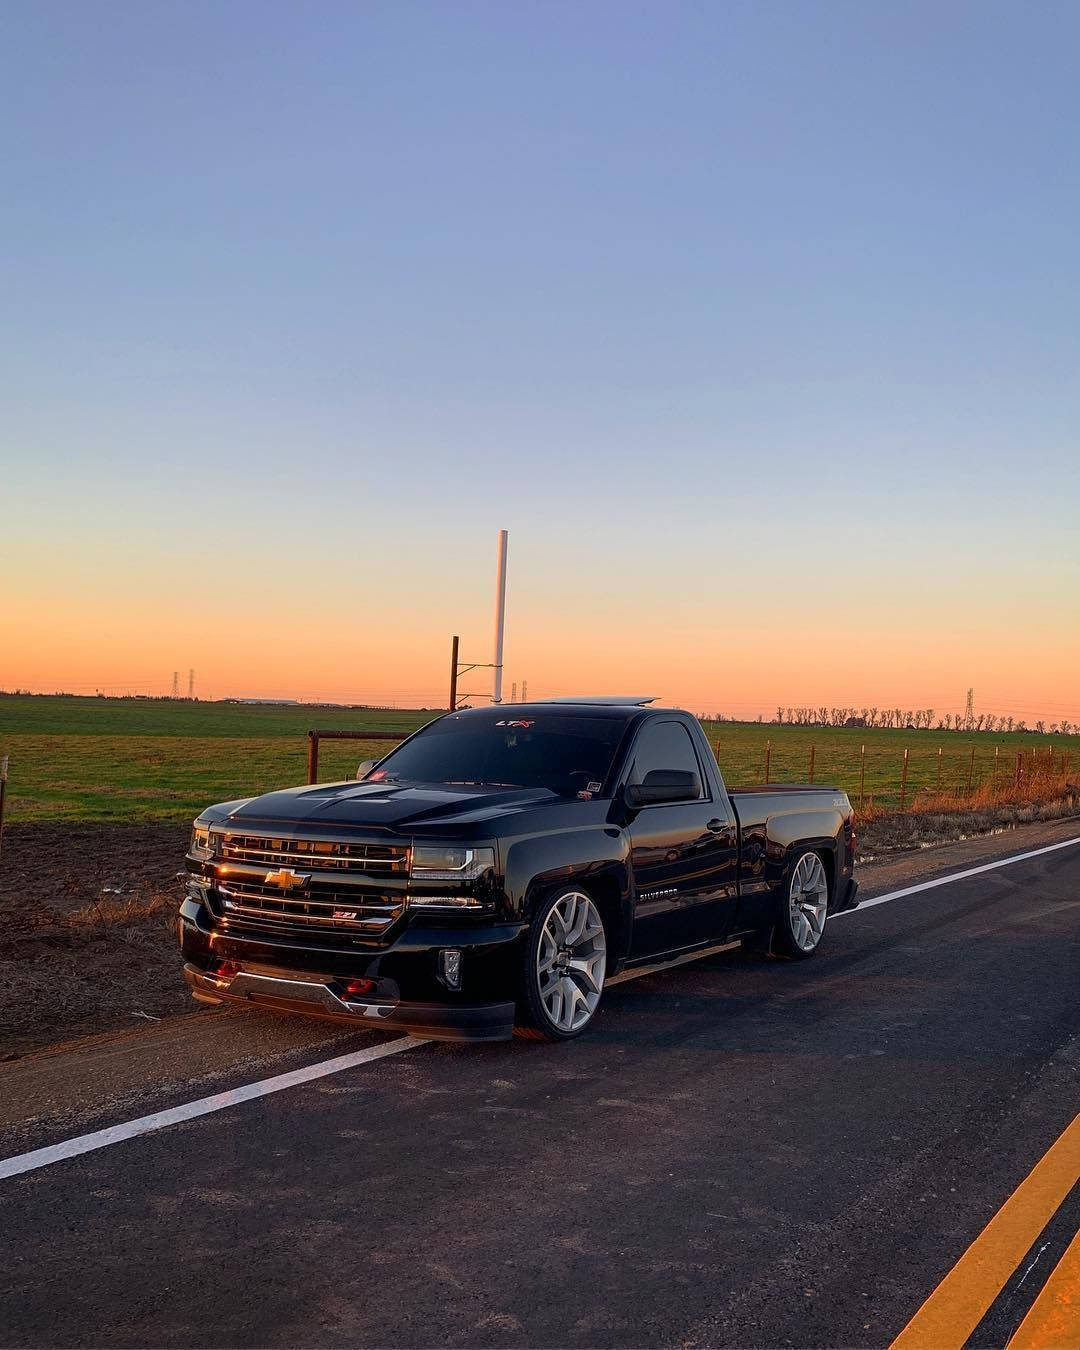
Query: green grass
pixel 121 760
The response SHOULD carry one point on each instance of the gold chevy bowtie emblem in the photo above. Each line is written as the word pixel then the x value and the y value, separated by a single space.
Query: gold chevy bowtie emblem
pixel 287 879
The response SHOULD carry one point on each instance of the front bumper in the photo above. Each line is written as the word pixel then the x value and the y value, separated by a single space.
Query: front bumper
pixel 296 975
pixel 328 998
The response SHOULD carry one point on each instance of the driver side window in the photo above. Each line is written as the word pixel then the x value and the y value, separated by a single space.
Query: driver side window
pixel 664 745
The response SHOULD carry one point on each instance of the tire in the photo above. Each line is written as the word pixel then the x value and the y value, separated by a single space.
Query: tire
pixel 565 962
pixel 803 908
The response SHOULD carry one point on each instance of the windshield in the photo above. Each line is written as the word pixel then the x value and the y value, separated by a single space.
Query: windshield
pixel 567 753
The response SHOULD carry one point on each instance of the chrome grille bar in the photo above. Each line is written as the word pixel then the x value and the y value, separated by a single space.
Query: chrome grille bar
pixel 319 854
pixel 339 912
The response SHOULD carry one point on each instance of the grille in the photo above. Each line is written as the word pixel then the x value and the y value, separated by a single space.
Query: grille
pixel 323 855
pixel 251 904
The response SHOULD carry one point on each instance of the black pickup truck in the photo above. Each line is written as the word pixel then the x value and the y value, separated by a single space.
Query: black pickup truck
pixel 495 868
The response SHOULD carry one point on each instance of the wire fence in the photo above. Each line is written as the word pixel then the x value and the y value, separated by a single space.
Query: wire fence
pixel 913 777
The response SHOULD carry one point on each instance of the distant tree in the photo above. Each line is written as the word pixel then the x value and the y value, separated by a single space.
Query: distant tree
pixel 1040 727
pixel 1021 725
pixel 1009 723
pixel 780 716
pixel 1053 728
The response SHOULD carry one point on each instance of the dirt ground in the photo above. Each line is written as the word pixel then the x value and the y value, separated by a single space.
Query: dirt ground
pixel 87 914
pixel 87 936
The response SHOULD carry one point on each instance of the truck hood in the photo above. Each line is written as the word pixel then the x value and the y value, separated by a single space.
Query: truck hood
pixel 388 806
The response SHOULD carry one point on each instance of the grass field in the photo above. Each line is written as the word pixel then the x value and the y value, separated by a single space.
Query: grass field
pixel 158 760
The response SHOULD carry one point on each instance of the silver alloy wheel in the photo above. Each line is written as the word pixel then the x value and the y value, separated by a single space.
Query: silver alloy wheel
pixel 571 960
pixel 808 901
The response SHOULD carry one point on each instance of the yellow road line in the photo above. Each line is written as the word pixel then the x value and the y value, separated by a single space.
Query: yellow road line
pixel 958 1304
pixel 1053 1320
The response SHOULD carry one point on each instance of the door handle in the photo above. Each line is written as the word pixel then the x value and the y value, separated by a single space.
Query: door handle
pixel 717 826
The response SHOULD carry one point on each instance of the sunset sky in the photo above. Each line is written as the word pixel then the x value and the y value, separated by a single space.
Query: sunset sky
pixel 755 324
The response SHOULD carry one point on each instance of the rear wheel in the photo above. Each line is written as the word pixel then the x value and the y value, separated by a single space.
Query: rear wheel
pixel 565 965
pixel 804 904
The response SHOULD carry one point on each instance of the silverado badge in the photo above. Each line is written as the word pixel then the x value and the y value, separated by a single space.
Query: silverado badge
pixel 286 879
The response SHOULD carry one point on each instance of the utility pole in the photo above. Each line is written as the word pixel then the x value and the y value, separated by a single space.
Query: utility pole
pixel 191 684
pixel 500 616
pixel 453 671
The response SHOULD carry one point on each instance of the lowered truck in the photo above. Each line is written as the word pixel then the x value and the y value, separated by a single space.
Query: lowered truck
pixel 496 868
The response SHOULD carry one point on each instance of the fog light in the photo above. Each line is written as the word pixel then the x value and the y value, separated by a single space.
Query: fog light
pixel 450 968
pixel 360 986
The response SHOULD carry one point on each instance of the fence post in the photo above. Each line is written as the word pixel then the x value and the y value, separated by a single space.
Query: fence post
pixel 1019 767
pixel 862 776
pixel 3 794
pixel 768 752
pixel 313 756
pixel 903 782
pixel 971 769
pixel 939 770
pixel 812 750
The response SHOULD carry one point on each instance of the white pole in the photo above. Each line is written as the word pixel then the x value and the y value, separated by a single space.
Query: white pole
pixel 500 616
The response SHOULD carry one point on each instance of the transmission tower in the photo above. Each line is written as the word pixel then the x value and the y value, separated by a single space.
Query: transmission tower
pixel 513 692
pixel 191 683
pixel 969 711
pixel 176 684
pixel 524 691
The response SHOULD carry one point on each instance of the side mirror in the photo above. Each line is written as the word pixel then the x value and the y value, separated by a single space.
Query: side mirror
pixel 365 768
pixel 663 785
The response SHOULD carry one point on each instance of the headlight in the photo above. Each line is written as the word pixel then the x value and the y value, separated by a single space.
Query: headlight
pixel 436 863
pixel 200 843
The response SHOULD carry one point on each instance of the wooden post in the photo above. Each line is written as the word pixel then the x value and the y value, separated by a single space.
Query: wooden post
pixel 862 776
pixel 313 756
pixel 768 753
pixel 971 769
pixel 939 769
pixel 453 672
pixel 3 794
pixel 903 782
pixel 1019 767
pixel 812 752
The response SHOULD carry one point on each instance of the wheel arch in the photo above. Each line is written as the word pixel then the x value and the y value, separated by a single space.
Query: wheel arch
pixel 606 886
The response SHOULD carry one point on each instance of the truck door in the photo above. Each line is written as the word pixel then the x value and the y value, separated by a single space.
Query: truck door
pixel 683 854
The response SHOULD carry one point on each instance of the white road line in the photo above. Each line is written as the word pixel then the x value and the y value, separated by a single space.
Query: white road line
pixel 220 1101
pixel 954 876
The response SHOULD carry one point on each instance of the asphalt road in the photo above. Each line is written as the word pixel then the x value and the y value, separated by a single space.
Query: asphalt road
pixel 741 1152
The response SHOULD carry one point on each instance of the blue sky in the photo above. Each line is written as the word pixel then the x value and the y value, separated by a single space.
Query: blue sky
pixel 684 295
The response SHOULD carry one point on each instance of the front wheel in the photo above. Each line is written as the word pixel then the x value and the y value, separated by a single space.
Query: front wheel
pixel 565 964
pixel 804 904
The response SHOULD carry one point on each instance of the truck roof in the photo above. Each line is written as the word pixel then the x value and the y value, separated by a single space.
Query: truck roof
pixel 622 710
